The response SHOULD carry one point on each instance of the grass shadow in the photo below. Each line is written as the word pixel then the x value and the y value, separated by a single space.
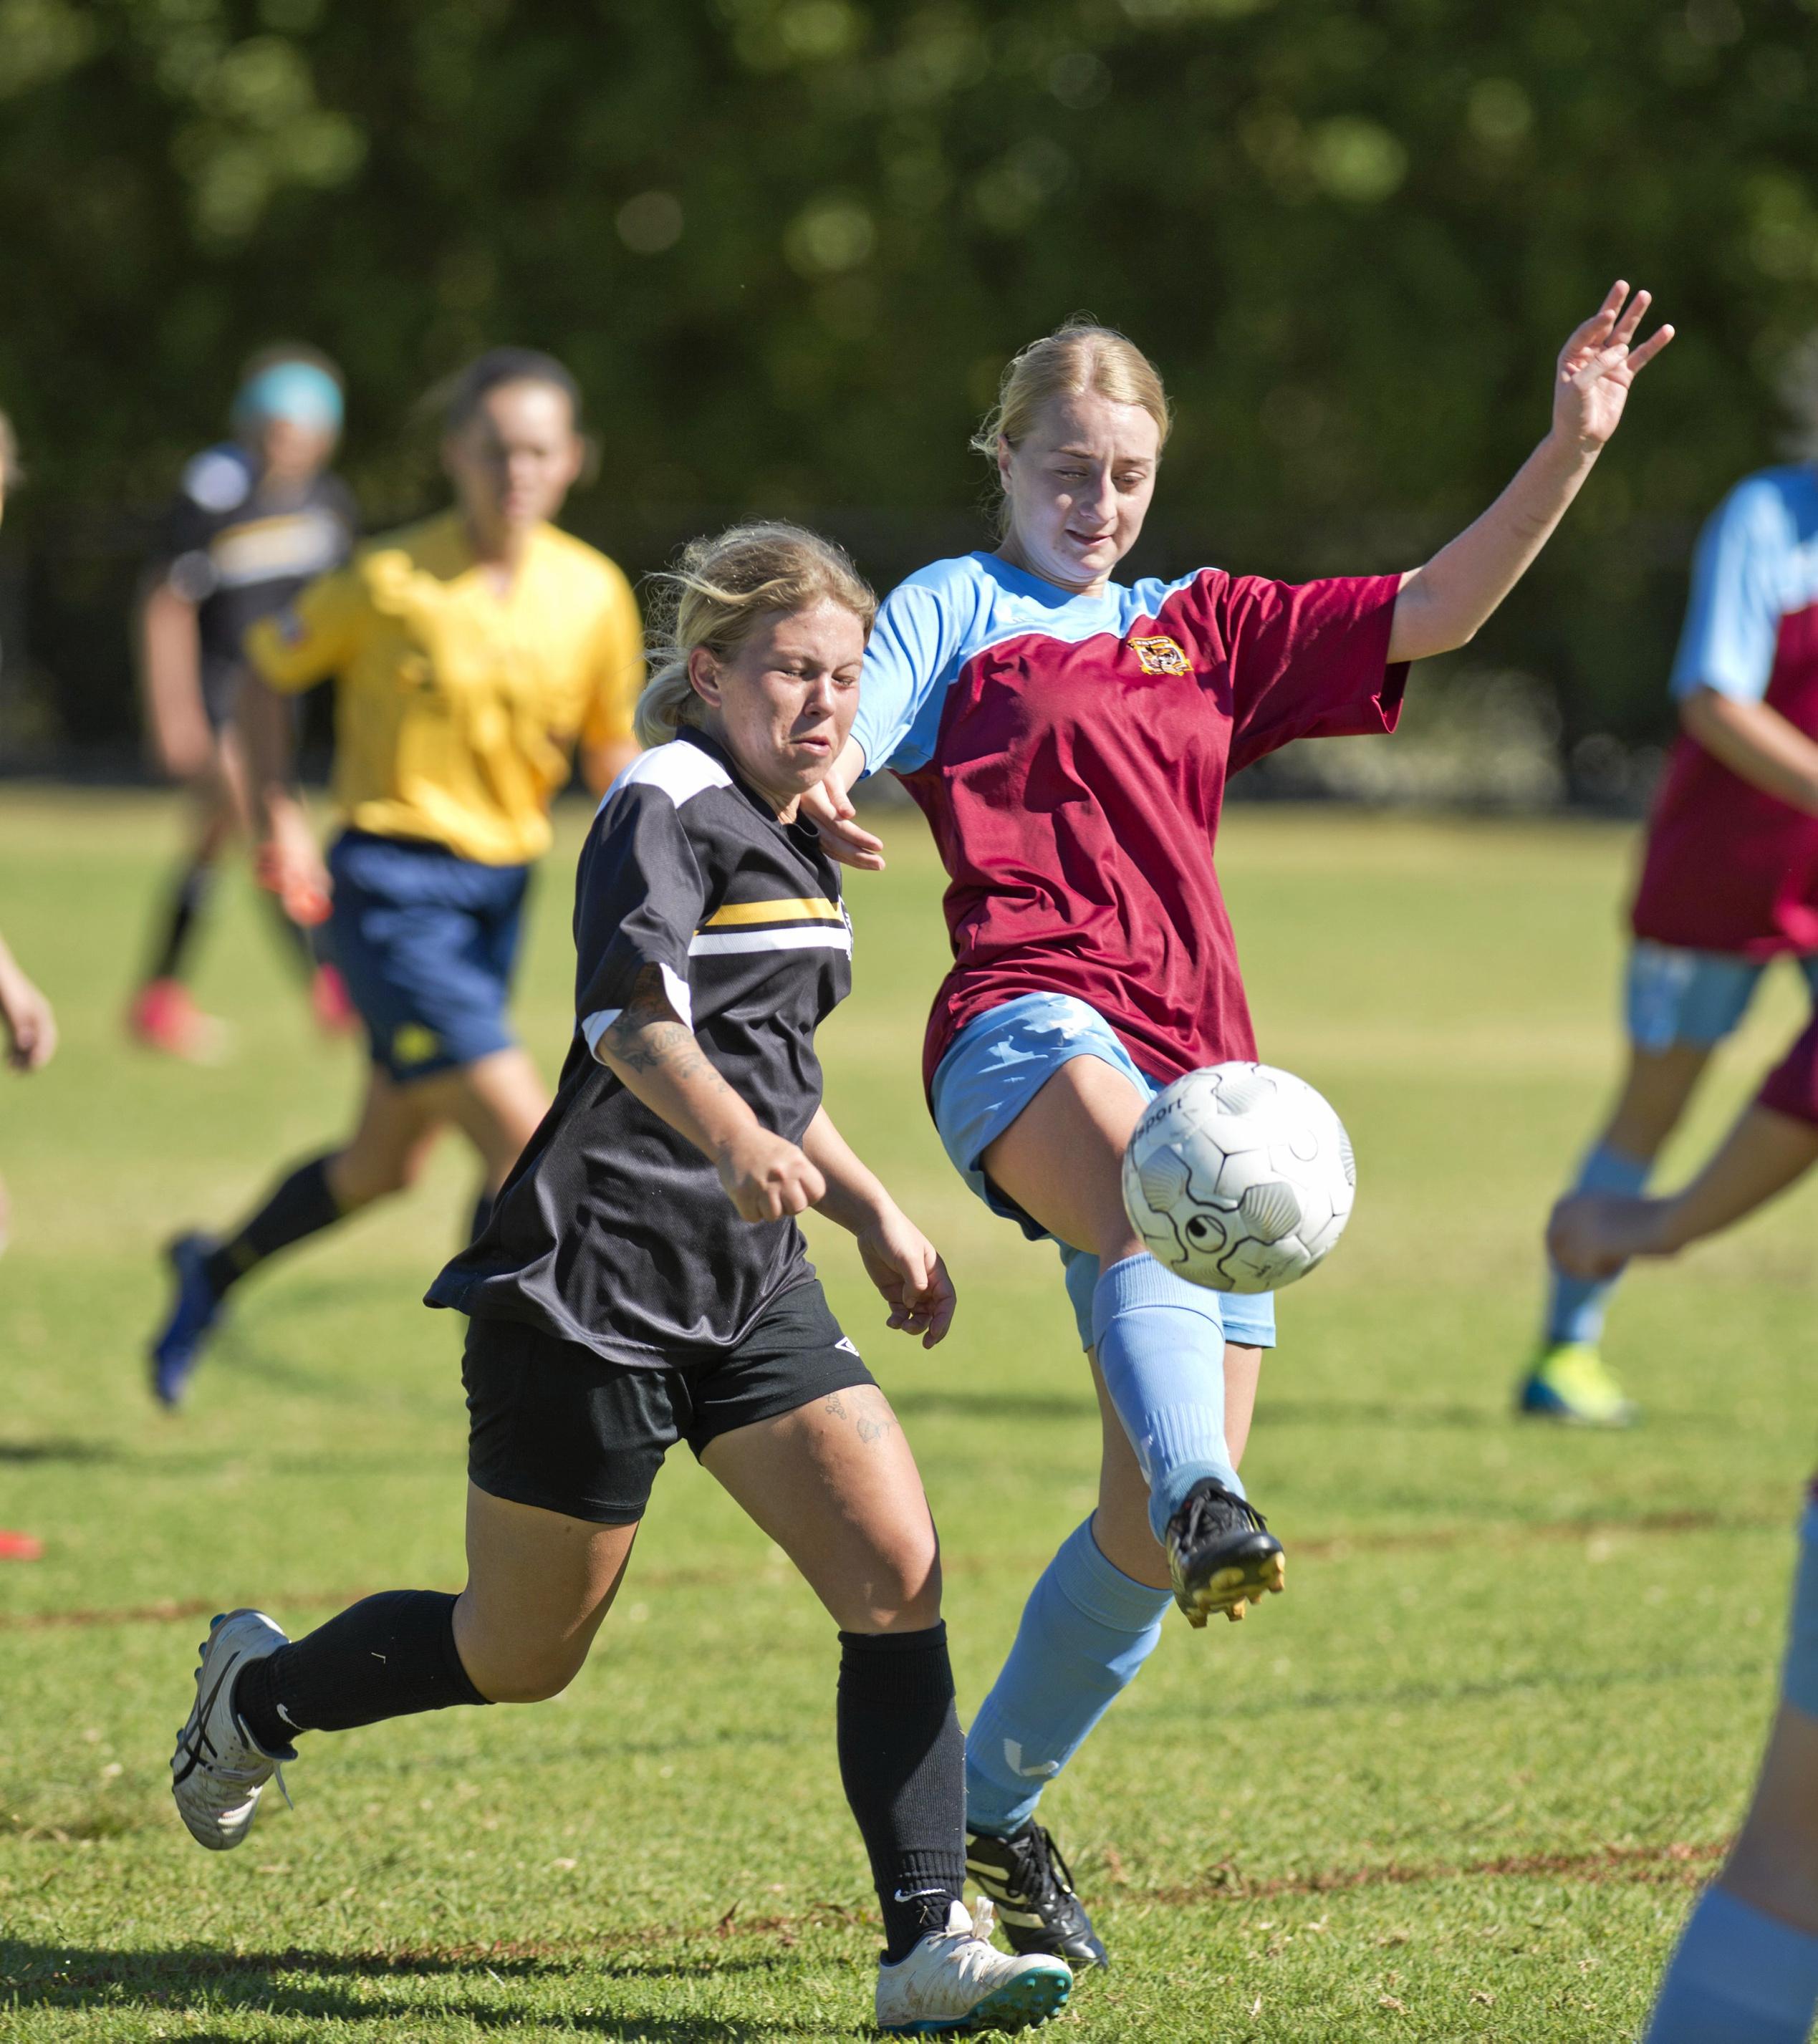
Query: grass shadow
pixel 58 1451
pixel 302 1983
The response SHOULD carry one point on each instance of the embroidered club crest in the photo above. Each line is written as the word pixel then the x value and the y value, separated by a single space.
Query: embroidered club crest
pixel 1161 656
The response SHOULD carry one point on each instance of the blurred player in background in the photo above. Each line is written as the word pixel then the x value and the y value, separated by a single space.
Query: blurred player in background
pixel 25 1015
pixel 257 518
pixel 470 653
pixel 1745 1971
pixel 1070 738
pixel 1729 881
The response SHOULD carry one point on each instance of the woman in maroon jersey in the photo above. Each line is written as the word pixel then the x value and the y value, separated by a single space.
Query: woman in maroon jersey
pixel 1069 738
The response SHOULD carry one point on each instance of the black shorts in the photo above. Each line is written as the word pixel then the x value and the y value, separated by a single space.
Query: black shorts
pixel 551 1424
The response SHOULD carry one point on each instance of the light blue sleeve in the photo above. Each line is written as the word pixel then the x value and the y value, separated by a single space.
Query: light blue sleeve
pixel 1732 623
pixel 912 656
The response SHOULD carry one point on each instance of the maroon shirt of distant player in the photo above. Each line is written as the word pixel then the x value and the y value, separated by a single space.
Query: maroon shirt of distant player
pixel 1070 754
pixel 1728 868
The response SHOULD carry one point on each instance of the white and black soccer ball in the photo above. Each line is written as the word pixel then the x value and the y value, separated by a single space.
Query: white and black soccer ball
pixel 1239 1177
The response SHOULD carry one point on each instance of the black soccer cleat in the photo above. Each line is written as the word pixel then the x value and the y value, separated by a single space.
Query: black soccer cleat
pixel 1032 1886
pixel 1221 1555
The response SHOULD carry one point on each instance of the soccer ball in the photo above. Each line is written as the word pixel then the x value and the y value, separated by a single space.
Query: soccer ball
pixel 1239 1177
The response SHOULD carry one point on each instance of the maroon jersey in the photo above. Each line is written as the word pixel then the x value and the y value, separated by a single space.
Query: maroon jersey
pixel 1727 867
pixel 1070 754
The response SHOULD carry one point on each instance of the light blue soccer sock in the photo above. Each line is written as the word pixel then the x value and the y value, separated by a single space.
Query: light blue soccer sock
pixel 1739 1977
pixel 1576 1306
pixel 1161 1351
pixel 1087 1629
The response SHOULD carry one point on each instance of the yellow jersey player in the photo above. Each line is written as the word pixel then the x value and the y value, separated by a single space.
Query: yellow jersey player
pixel 471 653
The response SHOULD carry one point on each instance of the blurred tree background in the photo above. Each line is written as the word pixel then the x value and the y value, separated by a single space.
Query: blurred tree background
pixel 787 245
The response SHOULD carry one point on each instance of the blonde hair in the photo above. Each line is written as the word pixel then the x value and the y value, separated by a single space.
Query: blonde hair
pixel 1079 356
pixel 716 594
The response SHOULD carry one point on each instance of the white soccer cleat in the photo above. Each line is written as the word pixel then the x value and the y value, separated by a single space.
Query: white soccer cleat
pixel 216 1773
pixel 955 1979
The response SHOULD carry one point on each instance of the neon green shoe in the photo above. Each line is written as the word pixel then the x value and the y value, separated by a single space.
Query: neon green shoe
pixel 1571 1382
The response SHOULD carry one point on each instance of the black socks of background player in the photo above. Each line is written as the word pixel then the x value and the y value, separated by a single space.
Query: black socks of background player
pixel 188 904
pixel 388 1656
pixel 301 1205
pixel 902 1761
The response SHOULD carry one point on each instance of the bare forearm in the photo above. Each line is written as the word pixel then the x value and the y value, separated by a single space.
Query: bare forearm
pixel 658 1058
pixel 263 720
pixel 1758 744
pixel 855 1196
pixel 1763 1154
pixel 1443 604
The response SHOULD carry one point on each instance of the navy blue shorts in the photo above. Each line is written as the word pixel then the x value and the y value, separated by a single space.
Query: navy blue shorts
pixel 426 941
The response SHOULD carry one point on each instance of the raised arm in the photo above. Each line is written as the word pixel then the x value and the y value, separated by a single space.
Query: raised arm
pixel 1443 604
pixel 899 1258
pixel 654 1054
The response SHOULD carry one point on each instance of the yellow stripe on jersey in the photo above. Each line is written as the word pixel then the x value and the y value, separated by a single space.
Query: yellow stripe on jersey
pixel 804 909
pixel 459 704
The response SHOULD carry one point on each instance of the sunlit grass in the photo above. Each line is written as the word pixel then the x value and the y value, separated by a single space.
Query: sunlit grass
pixel 1459 1783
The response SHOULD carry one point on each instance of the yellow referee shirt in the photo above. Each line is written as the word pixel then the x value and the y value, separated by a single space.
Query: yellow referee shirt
pixel 457 708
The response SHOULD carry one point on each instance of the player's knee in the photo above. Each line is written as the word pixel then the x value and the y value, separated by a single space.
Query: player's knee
pixel 904 1595
pixel 531 1677
pixel 360 1180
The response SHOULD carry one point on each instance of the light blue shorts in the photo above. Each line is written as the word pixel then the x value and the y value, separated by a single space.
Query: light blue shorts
pixel 992 1069
pixel 1696 997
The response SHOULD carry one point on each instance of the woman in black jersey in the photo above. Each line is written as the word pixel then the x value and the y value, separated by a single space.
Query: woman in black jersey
pixel 643 1281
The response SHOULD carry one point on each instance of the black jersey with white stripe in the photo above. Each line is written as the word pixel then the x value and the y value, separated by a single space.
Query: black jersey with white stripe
pixel 238 546
pixel 613 1230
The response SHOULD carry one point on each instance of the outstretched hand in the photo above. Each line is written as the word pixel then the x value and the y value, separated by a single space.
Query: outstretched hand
pixel 1597 366
pixel 829 809
pixel 1591 1235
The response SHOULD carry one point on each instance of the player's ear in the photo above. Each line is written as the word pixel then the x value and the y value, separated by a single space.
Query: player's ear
pixel 587 467
pixel 704 676
pixel 1004 462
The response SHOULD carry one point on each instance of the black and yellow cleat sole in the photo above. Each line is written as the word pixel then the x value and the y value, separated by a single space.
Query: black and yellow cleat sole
pixel 1234 1588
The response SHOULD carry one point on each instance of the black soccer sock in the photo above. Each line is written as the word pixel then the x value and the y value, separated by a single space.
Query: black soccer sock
pixel 482 1214
pixel 187 905
pixel 301 1205
pixel 902 1761
pixel 388 1656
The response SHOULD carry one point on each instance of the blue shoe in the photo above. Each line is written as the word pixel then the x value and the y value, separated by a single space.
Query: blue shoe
pixel 175 1353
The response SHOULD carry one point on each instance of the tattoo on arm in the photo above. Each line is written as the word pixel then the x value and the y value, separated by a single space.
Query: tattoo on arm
pixel 647 1038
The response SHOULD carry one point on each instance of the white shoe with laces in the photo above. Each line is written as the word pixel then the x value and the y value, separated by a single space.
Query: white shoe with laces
pixel 955 1979
pixel 216 1773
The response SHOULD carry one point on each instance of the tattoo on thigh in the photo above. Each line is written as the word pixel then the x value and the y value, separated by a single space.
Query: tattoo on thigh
pixel 835 1406
pixel 874 1426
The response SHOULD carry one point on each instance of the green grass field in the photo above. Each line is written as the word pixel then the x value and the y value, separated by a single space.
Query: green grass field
pixel 1460 1783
